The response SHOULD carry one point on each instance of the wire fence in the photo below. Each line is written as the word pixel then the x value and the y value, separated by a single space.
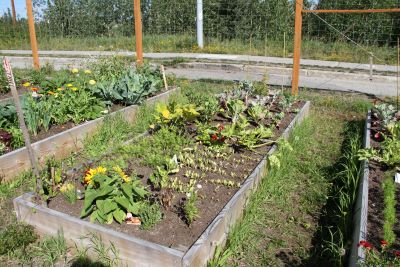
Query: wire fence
pixel 230 27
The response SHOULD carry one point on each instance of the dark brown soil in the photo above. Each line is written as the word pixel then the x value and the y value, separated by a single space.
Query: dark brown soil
pixel 173 230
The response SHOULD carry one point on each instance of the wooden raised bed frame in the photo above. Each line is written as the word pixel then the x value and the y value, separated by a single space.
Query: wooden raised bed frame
pixel 360 212
pixel 136 252
pixel 62 144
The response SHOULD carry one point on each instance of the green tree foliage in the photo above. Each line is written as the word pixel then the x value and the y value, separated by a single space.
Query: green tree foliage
pixel 378 28
pixel 223 19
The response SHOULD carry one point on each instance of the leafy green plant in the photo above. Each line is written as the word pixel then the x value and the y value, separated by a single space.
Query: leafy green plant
pixel 150 215
pixel 16 236
pixel 111 195
pixel 385 112
pixel 50 249
pixel 257 113
pixel 109 68
pixel 384 257
pixel 220 257
pixel 68 190
pixel 131 88
pixel 104 255
pixel 160 177
pixel 175 114
pixel 234 108
pixel 189 207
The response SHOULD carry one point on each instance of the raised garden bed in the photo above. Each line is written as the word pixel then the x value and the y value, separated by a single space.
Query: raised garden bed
pixel 66 141
pixel 372 227
pixel 177 240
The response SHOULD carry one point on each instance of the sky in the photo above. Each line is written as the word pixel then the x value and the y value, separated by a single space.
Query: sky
pixel 19 7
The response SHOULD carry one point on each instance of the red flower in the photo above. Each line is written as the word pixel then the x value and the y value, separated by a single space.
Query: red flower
pixel 365 244
pixel 221 127
pixel 384 243
pixel 35 89
pixel 397 253
pixel 222 139
pixel 214 137
pixel 377 135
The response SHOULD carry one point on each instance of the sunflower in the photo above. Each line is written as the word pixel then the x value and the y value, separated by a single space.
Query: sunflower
pixel 89 174
pixel 121 173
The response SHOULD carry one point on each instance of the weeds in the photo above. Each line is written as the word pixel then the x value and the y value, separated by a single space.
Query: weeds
pixel 51 249
pixel 105 255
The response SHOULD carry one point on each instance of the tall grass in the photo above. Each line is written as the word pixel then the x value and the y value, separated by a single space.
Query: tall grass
pixel 338 213
pixel 311 48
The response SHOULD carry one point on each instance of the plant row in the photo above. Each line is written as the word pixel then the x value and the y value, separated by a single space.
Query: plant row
pixel 74 96
pixel 384 161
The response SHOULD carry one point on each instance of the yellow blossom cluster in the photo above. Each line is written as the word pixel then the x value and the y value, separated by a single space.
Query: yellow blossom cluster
pixel 92 172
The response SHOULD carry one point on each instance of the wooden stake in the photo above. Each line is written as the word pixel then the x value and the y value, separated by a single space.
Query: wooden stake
pixel 138 32
pixel 14 15
pixel 297 47
pixel 398 72
pixel 32 34
pixel 31 153
pixel 164 77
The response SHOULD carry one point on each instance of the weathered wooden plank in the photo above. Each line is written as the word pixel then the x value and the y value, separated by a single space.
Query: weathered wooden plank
pixel 217 232
pixel 360 213
pixel 62 144
pixel 132 251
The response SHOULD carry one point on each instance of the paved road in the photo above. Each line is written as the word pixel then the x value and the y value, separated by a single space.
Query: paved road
pixel 381 85
pixel 253 60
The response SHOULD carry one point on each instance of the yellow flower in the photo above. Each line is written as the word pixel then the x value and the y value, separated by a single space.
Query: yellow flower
pixel 74 89
pixel 27 84
pixel 50 92
pixel 67 187
pixel 92 172
pixel 165 113
pixel 60 89
pixel 121 173
pixel 69 85
pixel 74 70
pixel 88 72
pixel 92 82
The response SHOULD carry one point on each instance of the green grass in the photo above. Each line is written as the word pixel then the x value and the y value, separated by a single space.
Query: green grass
pixel 282 223
pixel 389 212
pixel 311 49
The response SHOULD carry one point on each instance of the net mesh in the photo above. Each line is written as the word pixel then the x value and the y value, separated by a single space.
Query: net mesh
pixel 257 27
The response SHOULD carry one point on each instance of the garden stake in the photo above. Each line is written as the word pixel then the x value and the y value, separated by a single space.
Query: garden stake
pixel 31 153
pixel 164 77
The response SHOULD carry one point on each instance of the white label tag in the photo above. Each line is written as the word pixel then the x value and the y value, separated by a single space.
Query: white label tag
pixel 397 178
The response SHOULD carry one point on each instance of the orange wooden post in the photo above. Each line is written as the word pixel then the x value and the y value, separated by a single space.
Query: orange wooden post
pixel 32 34
pixel 138 32
pixel 297 47
pixel 387 10
pixel 14 15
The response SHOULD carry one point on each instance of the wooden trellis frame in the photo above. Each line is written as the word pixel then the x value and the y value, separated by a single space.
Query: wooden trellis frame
pixel 298 30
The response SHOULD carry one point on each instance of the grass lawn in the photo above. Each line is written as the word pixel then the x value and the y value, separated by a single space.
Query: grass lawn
pixel 285 218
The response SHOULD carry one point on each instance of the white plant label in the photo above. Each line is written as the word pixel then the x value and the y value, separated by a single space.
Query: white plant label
pixel 397 178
